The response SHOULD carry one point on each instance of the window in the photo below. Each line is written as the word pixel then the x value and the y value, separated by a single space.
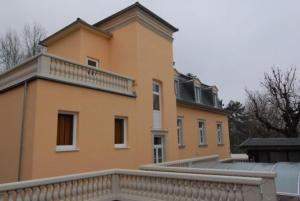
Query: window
pixel 202 132
pixel 156 96
pixel 220 133
pixel 180 141
pixel 215 97
pixel 66 131
pixel 120 132
pixel 176 87
pixel 198 94
pixel 92 62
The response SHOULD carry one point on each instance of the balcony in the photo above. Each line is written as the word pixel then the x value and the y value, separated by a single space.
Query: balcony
pixel 135 185
pixel 53 68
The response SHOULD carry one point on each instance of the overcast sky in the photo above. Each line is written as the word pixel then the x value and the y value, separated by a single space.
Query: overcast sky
pixel 228 43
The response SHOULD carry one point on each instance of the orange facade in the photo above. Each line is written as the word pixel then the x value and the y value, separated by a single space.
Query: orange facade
pixel 138 48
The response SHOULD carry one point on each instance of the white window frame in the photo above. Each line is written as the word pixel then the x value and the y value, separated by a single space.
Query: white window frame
pixel 180 143
pixel 215 96
pixel 220 133
pixel 203 132
pixel 197 90
pixel 94 60
pixel 157 93
pixel 124 145
pixel 72 147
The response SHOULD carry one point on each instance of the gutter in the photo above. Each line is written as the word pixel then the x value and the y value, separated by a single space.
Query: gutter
pixel 22 130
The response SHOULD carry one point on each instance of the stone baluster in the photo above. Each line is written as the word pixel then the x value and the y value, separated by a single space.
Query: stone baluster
pixel 74 191
pixel 35 193
pixel 176 190
pixel 90 189
pixel 231 194
pixel 85 189
pixel 56 192
pixel 43 193
pixel 49 194
pixel 20 195
pixel 95 188
pixel 68 191
pixel 223 192
pixel 195 191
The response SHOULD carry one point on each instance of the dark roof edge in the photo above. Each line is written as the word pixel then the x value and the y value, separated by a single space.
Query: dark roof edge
pixel 203 107
pixel 78 20
pixel 143 8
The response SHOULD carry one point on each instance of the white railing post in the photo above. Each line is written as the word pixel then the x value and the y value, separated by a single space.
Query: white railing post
pixel 43 65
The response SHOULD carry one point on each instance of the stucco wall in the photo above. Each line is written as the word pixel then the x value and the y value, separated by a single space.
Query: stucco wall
pixel 11 107
pixel 95 135
pixel 191 134
pixel 10 125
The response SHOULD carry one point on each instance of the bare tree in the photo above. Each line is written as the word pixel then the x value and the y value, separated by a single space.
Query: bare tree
pixel 14 49
pixel 278 107
pixel 32 35
pixel 10 50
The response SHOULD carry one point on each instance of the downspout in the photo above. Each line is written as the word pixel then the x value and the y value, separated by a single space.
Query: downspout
pixel 22 130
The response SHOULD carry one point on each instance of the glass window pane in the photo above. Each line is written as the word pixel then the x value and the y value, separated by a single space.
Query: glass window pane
pixel 157 141
pixel 92 63
pixel 155 87
pixel 65 129
pixel 119 131
pixel 156 104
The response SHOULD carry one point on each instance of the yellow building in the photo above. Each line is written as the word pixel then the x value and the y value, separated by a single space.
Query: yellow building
pixel 105 96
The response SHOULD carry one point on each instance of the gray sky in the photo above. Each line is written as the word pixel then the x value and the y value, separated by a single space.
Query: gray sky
pixel 228 43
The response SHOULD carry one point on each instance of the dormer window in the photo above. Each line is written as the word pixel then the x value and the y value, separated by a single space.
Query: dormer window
pixel 197 94
pixel 215 99
pixel 92 62
pixel 176 87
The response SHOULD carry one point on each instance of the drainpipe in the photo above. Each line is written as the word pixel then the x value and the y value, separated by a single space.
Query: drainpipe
pixel 22 130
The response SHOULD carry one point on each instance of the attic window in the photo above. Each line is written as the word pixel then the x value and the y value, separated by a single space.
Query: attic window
pixel 215 100
pixel 176 86
pixel 92 62
pixel 197 94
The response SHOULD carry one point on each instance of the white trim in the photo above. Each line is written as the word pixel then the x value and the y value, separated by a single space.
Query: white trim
pixel 94 60
pixel 180 129
pixel 124 145
pixel 204 132
pixel 221 142
pixel 198 94
pixel 73 147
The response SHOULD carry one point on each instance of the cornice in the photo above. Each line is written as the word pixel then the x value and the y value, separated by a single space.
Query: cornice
pixel 137 15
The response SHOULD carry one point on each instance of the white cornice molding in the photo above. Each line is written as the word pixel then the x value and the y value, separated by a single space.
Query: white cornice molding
pixel 138 15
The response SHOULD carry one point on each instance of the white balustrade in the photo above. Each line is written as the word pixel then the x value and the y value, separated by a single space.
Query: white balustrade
pixel 59 69
pixel 134 185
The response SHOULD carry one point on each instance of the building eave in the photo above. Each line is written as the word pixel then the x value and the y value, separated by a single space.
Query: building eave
pixel 202 107
pixel 141 7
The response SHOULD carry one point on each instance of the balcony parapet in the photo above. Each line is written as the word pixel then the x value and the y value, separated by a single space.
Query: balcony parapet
pixel 190 166
pixel 134 185
pixel 54 68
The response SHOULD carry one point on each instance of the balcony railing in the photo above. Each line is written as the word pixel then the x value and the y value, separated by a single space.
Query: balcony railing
pixel 190 166
pixel 134 185
pixel 58 69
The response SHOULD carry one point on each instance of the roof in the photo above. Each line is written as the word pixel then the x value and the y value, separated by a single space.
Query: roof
pixel 265 142
pixel 186 94
pixel 71 27
pixel 141 7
